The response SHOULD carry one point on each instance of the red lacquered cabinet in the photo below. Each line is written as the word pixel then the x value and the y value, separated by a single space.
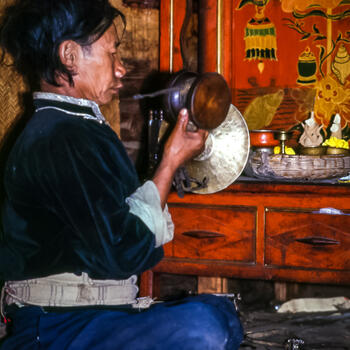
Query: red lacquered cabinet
pixel 283 232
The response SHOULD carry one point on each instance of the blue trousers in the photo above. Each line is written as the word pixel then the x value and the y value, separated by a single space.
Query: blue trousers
pixel 203 322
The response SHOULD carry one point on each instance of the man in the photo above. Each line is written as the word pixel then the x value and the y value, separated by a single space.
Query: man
pixel 78 226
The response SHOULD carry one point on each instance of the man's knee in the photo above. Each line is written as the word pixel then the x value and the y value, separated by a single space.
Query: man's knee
pixel 208 327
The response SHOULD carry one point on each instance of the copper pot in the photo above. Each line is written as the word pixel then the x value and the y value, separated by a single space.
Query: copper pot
pixel 264 138
pixel 206 96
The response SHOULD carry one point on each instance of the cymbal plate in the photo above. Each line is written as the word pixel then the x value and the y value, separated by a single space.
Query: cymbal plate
pixel 228 156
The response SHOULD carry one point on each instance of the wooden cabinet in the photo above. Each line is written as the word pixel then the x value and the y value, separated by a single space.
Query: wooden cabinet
pixel 283 232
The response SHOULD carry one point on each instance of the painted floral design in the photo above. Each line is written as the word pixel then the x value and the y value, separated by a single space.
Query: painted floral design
pixel 332 98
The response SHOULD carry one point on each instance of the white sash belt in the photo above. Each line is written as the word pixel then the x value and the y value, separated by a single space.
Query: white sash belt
pixel 68 289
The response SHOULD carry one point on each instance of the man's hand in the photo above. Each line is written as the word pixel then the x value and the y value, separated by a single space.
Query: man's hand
pixel 181 146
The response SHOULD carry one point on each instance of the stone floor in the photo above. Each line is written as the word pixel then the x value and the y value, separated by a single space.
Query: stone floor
pixel 268 330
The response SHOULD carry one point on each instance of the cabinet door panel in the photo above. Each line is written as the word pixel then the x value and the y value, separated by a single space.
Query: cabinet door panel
pixel 214 233
pixel 307 239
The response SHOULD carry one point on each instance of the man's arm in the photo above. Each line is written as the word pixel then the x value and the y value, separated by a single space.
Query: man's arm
pixel 181 146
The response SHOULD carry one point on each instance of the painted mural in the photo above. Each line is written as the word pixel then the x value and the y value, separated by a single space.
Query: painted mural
pixel 292 57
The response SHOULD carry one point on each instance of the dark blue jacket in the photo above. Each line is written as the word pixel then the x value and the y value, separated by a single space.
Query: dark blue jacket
pixel 66 181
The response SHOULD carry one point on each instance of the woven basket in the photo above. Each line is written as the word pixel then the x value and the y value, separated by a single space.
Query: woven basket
pixel 300 167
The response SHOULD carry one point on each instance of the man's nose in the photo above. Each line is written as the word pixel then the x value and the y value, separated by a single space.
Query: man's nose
pixel 119 70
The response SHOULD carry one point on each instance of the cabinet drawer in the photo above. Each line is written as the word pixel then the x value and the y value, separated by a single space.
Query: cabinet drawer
pixel 307 239
pixel 214 233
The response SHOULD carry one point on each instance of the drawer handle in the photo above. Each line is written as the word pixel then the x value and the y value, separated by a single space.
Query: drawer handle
pixel 318 241
pixel 201 234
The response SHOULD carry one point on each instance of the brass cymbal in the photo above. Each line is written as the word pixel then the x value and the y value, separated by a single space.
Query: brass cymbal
pixel 225 155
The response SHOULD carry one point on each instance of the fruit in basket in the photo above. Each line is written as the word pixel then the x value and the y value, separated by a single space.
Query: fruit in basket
pixel 288 150
pixel 336 143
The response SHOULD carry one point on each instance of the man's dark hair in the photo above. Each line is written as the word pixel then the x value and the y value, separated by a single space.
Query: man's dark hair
pixel 31 31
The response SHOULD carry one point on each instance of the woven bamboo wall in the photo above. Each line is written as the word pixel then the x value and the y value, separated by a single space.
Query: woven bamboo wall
pixel 11 89
pixel 140 54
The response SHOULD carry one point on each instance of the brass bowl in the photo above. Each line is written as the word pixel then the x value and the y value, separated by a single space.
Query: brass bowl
pixel 337 151
pixel 313 150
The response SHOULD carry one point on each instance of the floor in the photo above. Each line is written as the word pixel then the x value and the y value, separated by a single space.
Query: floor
pixel 268 330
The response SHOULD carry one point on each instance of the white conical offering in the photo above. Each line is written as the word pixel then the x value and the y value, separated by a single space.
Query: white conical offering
pixel 336 127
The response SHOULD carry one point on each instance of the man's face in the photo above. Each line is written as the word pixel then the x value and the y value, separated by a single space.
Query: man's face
pixel 99 69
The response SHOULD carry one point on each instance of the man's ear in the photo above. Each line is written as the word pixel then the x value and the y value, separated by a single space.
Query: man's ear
pixel 69 54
